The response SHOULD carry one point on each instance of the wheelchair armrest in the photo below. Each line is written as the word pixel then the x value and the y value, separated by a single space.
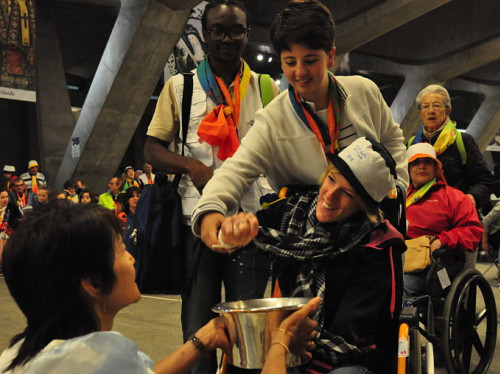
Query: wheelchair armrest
pixel 447 255
pixel 409 315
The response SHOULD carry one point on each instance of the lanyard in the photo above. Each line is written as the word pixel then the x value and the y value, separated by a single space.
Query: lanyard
pixel 333 125
pixel 23 201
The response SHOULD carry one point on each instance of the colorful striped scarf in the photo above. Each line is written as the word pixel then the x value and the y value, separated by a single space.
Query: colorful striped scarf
pixel 325 133
pixel 209 82
pixel 414 196
pixel 219 127
pixel 447 137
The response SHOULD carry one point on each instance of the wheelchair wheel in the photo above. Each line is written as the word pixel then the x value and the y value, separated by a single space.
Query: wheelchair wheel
pixel 470 324
pixel 415 359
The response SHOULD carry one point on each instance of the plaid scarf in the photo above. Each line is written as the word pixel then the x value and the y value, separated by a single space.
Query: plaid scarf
pixel 311 244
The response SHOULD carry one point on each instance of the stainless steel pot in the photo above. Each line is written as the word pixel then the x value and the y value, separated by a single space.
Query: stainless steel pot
pixel 250 324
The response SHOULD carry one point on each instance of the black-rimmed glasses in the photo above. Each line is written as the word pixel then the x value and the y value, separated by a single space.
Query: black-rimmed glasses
pixel 236 33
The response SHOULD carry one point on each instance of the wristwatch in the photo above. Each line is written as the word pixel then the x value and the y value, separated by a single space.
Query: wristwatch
pixel 197 343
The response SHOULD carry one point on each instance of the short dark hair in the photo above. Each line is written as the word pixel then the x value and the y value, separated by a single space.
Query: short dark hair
pixel 118 181
pixel 70 183
pixel 213 4
pixel 44 261
pixel 308 23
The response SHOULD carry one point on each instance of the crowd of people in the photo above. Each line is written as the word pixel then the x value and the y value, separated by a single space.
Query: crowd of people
pixel 331 139
pixel 29 191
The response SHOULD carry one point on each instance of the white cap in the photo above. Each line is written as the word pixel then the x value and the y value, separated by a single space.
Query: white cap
pixel 9 169
pixel 32 163
pixel 424 150
pixel 369 168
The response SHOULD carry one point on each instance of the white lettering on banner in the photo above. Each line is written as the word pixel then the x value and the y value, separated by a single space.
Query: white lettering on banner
pixel 16 94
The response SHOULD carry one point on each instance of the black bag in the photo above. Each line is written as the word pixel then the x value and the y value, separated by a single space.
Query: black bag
pixel 159 235
pixel 160 224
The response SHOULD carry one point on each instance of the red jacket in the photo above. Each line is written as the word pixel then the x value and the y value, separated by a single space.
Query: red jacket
pixel 448 213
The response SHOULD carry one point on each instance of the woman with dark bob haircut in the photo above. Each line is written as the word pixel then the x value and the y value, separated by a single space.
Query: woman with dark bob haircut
pixel 67 269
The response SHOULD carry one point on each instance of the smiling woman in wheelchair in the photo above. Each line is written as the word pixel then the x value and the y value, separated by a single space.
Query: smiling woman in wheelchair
pixel 433 209
pixel 335 243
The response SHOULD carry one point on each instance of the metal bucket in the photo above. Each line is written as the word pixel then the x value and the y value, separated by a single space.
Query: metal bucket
pixel 250 324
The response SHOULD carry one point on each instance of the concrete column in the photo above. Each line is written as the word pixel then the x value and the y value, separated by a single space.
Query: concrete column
pixel 486 112
pixel 54 116
pixel 404 102
pixel 143 37
pixel 489 132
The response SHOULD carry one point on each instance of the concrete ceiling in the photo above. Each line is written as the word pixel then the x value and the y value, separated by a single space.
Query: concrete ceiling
pixel 402 45
pixel 447 28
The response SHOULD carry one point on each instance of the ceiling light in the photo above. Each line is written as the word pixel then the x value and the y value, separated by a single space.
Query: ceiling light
pixel 270 59
pixel 260 57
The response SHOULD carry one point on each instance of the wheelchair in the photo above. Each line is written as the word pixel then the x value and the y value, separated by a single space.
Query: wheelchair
pixel 457 317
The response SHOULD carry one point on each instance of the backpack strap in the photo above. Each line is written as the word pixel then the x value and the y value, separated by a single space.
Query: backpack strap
pixel 187 96
pixel 266 89
pixel 461 147
pixel 410 141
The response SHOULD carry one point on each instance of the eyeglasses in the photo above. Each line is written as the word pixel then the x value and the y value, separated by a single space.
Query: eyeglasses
pixel 218 34
pixel 435 106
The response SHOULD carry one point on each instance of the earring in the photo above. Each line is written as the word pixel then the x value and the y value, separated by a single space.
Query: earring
pixel 104 307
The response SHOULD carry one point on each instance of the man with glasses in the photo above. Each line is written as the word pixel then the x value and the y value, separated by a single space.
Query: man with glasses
pixel 20 196
pixel 463 164
pixel 225 97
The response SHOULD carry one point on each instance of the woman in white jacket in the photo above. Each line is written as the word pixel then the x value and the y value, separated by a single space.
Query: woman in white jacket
pixel 318 114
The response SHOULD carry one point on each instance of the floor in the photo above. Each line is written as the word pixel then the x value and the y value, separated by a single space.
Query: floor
pixel 154 322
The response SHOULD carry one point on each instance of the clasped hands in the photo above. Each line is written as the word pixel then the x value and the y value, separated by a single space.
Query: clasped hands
pixel 236 231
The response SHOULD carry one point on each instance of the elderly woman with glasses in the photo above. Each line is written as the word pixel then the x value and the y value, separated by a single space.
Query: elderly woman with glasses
pixel 463 164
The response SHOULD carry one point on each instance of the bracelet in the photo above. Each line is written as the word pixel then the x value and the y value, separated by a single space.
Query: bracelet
pixel 433 239
pixel 285 331
pixel 283 345
pixel 197 343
